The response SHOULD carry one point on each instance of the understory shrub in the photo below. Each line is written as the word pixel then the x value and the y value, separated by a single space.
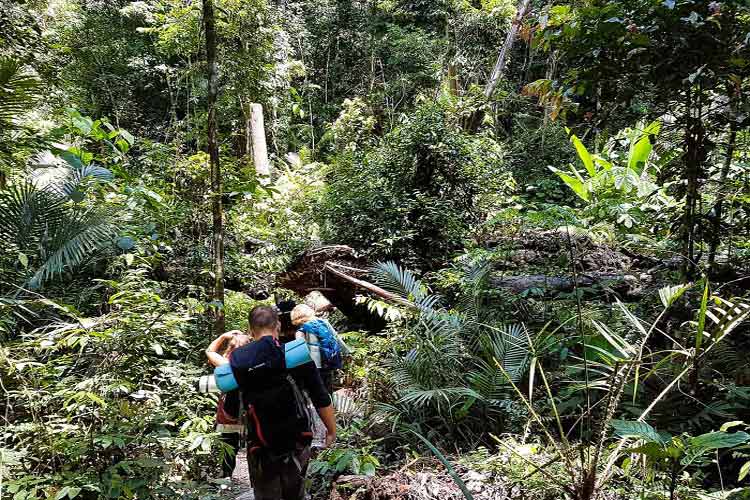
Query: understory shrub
pixel 105 407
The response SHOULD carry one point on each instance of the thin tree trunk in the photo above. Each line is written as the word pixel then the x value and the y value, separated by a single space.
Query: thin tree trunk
pixel 260 149
pixel 502 58
pixel 248 132
pixel 694 154
pixel 213 153
pixel 472 123
pixel 719 207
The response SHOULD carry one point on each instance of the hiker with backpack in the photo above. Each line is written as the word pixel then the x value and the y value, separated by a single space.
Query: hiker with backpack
pixel 228 408
pixel 325 348
pixel 279 425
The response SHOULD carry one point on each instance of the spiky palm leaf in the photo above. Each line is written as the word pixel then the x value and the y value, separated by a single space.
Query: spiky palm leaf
pixel 66 180
pixel 18 91
pixel 43 224
pixel 489 382
pixel 507 345
pixel 475 275
pixel 453 365
pixel 403 282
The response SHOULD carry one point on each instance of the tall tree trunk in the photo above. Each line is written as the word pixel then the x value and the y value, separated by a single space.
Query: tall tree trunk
pixel 213 153
pixel 452 79
pixel 260 149
pixel 498 71
pixel 248 132
pixel 721 196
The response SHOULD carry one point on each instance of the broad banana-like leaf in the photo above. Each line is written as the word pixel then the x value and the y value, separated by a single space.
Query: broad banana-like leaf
pixel 640 148
pixel 577 184
pixel 584 155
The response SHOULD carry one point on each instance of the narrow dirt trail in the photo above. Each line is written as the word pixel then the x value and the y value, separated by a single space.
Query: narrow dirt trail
pixel 240 488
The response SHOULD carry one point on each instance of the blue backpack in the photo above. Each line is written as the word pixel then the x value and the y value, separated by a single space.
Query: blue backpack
pixel 330 352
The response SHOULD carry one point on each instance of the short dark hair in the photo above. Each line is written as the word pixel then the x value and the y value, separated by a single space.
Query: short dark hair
pixel 263 318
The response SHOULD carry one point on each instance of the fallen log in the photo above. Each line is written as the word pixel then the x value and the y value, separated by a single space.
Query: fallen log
pixel 622 286
pixel 334 268
pixel 311 272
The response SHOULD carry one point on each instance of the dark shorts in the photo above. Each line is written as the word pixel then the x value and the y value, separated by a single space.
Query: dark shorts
pixel 279 478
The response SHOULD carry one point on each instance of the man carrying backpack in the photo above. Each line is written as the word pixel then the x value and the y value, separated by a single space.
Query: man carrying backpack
pixel 279 426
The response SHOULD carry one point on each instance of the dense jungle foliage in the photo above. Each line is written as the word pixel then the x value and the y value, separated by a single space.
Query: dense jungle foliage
pixel 550 197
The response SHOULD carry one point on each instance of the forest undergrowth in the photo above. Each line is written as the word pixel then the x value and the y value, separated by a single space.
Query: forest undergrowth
pixel 531 219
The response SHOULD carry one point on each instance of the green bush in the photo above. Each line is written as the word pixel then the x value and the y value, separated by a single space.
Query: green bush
pixel 414 196
pixel 105 407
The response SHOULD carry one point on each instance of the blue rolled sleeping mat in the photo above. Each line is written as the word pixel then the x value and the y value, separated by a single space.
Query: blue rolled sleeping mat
pixel 296 353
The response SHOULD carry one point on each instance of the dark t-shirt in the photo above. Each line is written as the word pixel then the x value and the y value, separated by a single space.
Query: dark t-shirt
pixel 260 364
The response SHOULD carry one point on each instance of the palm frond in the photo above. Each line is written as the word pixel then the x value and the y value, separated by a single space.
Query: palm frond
pixel 489 382
pixel 27 214
pixel 509 345
pixel 91 235
pixel 727 315
pixel 50 230
pixel 442 398
pixel 18 91
pixel 66 180
pixel 403 282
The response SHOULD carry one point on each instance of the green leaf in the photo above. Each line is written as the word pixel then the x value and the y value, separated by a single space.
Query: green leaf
pixel 83 123
pixel 718 440
pixel 125 243
pixel 23 259
pixel 654 451
pixel 196 443
pixel 62 493
pixel 72 159
pixel 584 155
pixel 77 196
pixel 669 294
pixel 73 492
pixel 638 430
pixel 731 424
pixel 96 399
pixel 577 185
pixel 701 319
pixel 368 468
pixel 640 149
pixel 743 471
pixel 127 136
pixel 344 461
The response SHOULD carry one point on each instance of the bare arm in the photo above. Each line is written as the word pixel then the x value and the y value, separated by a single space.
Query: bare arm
pixel 329 420
pixel 212 352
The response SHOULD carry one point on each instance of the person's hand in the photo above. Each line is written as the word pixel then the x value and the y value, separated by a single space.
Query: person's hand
pixel 330 439
pixel 228 335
